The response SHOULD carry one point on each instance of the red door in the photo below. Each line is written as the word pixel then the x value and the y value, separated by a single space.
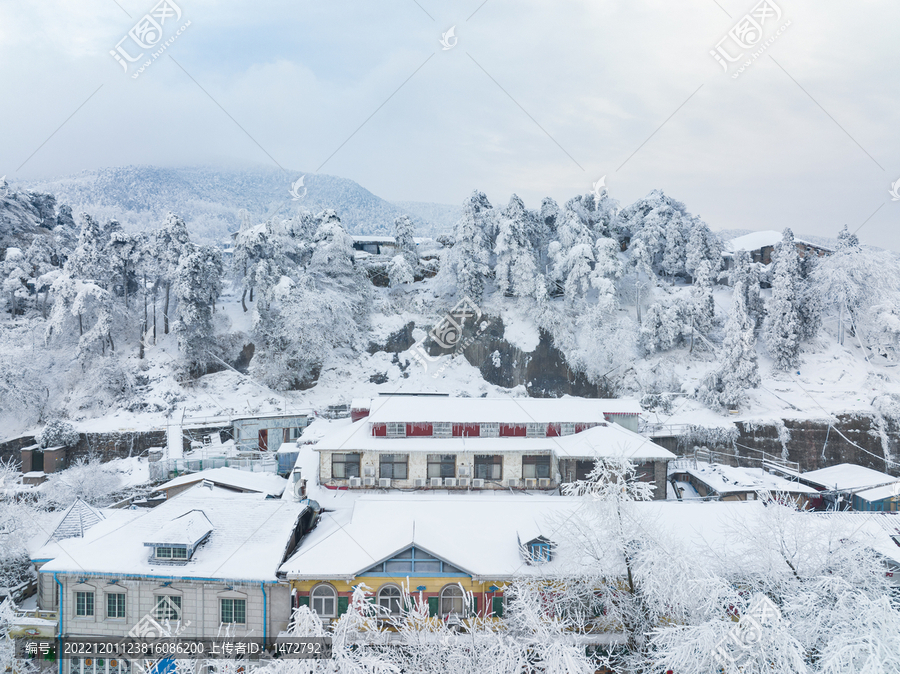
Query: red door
pixel 263 439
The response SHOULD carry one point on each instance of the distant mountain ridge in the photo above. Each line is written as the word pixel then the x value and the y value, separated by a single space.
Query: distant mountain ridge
pixel 209 198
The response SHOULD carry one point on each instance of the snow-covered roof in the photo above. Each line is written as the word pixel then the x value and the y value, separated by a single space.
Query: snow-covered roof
pixel 880 493
pixel 78 518
pixel 847 476
pixel 479 535
pixel 249 539
pixel 265 483
pixel 373 238
pixel 757 240
pixel 187 530
pixel 275 415
pixel 728 479
pixel 502 410
pixel 288 448
pixel 608 440
pixel 604 440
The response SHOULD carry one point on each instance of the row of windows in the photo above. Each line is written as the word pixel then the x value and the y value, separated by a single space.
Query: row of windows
pixel 396 466
pixel 324 600
pixel 168 607
pixel 448 429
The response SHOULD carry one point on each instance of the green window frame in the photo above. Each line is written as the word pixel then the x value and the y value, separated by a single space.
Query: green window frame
pixel 84 604
pixel 115 605
pixel 233 611
pixel 168 607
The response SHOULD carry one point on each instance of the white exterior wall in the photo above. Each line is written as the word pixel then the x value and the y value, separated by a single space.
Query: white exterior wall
pixel 417 467
pixel 200 606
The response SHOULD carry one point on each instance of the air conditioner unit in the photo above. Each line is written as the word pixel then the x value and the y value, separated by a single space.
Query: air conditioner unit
pixel 368 481
pixel 477 483
pixel 544 483
pixel 421 482
pixel 463 482
pixel 384 482
pixel 463 471
pixel 530 483
pixel 512 482
pixel 355 482
pixel 449 481
pixel 436 482
pixel 369 471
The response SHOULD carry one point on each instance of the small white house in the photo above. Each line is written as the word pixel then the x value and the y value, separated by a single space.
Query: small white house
pixel 205 560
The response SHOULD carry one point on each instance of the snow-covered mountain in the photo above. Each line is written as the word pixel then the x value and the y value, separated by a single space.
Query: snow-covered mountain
pixel 209 198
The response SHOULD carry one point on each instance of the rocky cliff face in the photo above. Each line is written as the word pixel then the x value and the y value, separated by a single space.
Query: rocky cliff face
pixel 867 440
pixel 544 372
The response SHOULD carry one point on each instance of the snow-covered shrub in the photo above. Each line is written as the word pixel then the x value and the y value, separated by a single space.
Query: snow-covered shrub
pixel 89 480
pixel 57 433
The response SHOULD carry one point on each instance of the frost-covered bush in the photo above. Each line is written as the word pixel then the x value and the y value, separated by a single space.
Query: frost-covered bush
pixel 58 433
pixel 89 480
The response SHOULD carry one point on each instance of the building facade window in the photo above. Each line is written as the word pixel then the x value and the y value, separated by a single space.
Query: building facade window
pixel 168 607
pixel 115 605
pixel 539 552
pixel 389 598
pixel 489 429
pixel 567 428
pixel 396 429
pixel 536 466
pixel 234 611
pixel 442 429
pixel 413 562
pixel 452 601
pixel 171 553
pixel 535 430
pixel 324 601
pixel 394 466
pixel 489 466
pixel 344 466
pixel 441 465
pixel 84 604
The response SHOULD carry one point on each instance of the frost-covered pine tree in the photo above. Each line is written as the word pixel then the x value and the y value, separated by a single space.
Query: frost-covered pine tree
pixel 404 231
pixel 515 271
pixel 197 287
pixel 782 328
pixel 703 245
pixel 674 251
pixel 168 243
pixel 703 304
pixel 400 272
pixel 470 257
pixel 739 367
pixel 608 269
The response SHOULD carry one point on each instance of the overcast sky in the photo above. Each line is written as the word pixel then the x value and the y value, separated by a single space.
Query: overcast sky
pixel 537 98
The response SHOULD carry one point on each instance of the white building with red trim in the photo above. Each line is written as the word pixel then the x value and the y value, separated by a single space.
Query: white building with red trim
pixel 432 441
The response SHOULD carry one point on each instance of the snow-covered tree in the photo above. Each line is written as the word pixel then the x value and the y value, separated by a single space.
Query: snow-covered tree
pixel 57 433
pixel 782 325
pixel 516 272
pixel 851 282
pixel 404 231
pixel 198 284
pixel 88 479
pixel 739 367
pixel 168 244
pixel 665 325
pixel 703 310
pixel 702 246
pixel 470 257
pixel 607 271
pixel 400 272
